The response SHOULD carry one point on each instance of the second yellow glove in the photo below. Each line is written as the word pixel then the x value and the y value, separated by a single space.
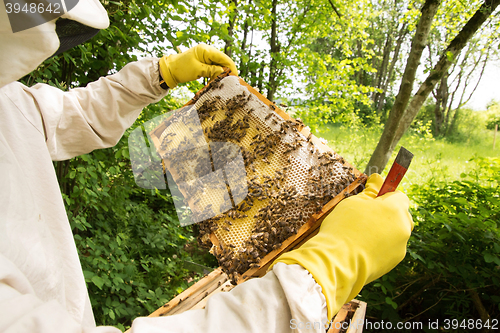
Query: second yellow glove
pixel 362 239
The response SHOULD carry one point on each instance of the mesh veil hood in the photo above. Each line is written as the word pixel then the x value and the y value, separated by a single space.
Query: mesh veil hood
pixel 72 33
pixel 23 51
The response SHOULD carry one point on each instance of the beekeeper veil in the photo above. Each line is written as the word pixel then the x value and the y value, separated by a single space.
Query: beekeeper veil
pixel 33 30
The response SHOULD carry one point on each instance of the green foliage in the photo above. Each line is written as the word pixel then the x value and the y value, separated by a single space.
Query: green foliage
pixel 338 92
pixel 425 115
pixel 492 122
pixel 453 252
pixel 465 125
pixel 318 116
pixel 420 134
pixel 468 126
pixel 493 115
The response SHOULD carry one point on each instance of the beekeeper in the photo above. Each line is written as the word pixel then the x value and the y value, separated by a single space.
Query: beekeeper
pixel 42 288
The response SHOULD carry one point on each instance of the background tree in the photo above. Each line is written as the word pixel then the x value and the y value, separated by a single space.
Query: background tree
pixel 384 148
pixel 402 116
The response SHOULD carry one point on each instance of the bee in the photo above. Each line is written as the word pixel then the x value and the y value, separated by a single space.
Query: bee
pixel 268 116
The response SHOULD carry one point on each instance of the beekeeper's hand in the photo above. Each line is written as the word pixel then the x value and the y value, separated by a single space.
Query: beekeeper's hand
pixel 199 61
pixel 362 239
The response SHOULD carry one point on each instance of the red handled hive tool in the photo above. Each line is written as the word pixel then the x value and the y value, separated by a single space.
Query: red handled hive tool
pixel 398 170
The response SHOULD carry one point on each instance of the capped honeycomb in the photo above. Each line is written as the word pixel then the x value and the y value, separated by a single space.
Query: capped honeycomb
pixel 247 173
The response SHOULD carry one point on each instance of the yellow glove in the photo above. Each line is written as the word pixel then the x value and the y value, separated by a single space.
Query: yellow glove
pixel 363 238
pixel 199 61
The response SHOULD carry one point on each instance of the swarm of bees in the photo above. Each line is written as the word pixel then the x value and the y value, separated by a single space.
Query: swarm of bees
pixel 284 181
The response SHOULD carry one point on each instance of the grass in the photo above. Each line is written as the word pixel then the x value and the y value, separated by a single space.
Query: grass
pixel 434 159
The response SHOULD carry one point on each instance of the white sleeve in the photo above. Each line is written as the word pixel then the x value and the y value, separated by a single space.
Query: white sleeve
pixel 83 119
pixel 23 312
pixel 286 299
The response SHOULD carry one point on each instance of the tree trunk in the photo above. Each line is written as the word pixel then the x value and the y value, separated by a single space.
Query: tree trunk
pixel 468 77
pixel 385 147
pixel 230 30
pixel 450 103
pixel 260 80
pixel 395 57
pixel 359 74
pixel 274 54
pixel 382 70
pixel 441 105
pixel 251 74
pixel 456 45
pixel 483 313
pixel 243 66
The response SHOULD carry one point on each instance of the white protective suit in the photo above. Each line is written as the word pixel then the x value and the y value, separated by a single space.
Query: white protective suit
pixel 42 288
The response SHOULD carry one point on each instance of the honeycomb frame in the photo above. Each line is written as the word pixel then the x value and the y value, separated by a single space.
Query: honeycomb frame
pixel 268 121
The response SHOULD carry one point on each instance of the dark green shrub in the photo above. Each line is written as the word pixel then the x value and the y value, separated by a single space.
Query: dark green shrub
pixel 492 121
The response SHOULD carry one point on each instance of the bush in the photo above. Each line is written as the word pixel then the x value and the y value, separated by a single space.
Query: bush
pixel 468 127
pixel 493 117
pixel 492 121
pixel 452 268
